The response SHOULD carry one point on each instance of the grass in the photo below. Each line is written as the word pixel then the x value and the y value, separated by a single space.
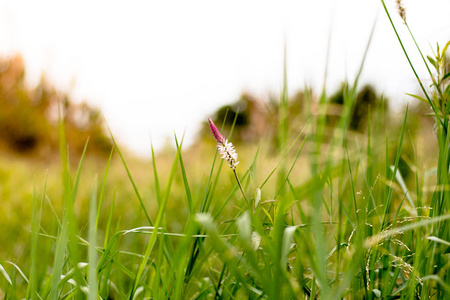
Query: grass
pixel 326 213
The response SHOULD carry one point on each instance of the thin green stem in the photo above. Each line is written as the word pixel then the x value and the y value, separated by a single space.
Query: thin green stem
pixel 240 186
pixel 412 67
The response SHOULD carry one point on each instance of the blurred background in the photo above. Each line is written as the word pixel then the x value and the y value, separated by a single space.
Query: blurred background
pixel 154 67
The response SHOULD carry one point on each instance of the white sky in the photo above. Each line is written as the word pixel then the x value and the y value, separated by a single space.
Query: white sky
pixel 158 66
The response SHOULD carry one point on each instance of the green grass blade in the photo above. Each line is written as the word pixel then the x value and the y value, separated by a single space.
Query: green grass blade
pixel 35 227
pixel 74 249
pixel 59 258
pixel 388 199
pixel 155 174
pixel 5 274
pixel 102 192
pixel 185 180
pixel 282 183
pixel 284 155
pixel 144 209
pixel 412 66
pixel 93 216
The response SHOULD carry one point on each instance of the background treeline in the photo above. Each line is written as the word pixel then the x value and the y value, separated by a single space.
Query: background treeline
pixel 29 116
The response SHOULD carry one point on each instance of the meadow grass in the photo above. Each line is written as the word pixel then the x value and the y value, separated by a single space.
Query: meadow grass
pixel 325 213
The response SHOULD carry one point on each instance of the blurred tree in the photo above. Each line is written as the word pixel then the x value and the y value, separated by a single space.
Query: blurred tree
pixel 366 100
pixel 29 117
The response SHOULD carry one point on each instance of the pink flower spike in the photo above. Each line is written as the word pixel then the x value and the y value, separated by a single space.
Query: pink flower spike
pixel 216 133
pixel 226 149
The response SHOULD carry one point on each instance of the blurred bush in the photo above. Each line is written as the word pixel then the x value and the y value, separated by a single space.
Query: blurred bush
pixel 29 117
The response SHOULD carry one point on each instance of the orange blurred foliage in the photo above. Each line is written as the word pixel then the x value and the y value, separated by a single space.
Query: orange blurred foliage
pixel 29 118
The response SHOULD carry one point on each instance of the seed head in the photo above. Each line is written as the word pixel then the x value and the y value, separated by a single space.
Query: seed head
pixel 226 149
pixel 400 9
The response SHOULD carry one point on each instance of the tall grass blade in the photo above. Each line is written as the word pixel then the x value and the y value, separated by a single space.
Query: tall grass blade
pixel 388 199
pixel 93 216
pixel 185 181
pixel 155 174
pixel 411 65
pixel 144 209
pixel 35 228
pixel 102 192
pixel 63 237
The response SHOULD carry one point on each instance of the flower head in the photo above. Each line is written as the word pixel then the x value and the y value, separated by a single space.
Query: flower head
pixel 228 153
pixel 226 149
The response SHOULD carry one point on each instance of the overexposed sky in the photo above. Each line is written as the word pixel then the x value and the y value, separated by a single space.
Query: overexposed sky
pixel 158 66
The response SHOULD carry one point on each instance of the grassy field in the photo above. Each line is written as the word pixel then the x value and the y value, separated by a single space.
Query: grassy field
pixel 314 211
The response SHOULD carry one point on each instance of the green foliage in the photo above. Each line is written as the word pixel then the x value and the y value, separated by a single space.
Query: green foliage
pixel 437 279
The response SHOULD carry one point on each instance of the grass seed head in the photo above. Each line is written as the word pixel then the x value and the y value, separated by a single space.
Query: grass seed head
pixel 401 9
